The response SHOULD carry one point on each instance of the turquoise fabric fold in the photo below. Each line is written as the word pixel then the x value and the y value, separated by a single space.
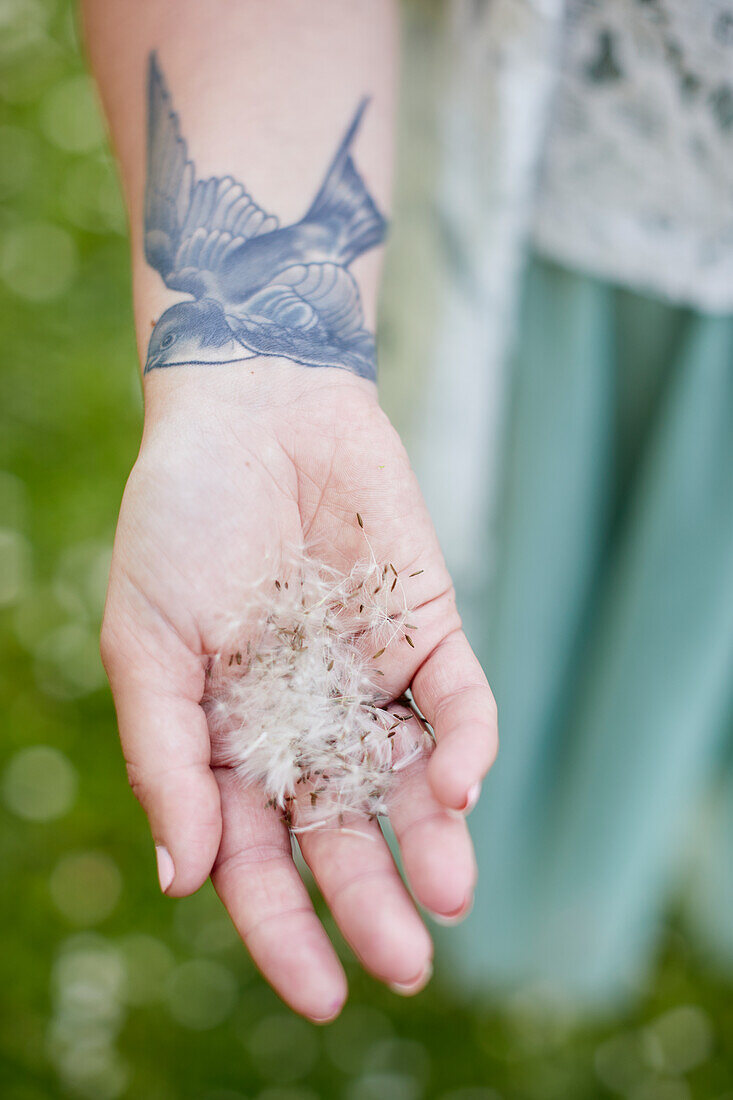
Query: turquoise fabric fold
pixel 607 633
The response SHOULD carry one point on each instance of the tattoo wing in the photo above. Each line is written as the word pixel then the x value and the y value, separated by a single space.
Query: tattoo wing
pixel 190 224
pixel 310 313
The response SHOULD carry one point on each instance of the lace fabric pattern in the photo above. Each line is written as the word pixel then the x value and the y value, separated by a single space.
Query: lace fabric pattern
pixel 599 132
pixel 636 183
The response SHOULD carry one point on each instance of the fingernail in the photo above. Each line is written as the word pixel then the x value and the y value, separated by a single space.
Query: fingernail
pixel 407 989
pixel 336 1007
pixel 166 869
pixel 472 797
pixel 456 916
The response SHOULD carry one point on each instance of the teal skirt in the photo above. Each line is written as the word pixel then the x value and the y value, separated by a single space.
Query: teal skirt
pixel 607 633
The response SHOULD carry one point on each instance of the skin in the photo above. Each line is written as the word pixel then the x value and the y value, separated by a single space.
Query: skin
pixel 239 461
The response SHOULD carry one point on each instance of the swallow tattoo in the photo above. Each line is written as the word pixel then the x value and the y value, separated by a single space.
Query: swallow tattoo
pixel 255 288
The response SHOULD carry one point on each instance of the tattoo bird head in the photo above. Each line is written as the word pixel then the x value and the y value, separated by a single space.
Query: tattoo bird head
pixel 193 332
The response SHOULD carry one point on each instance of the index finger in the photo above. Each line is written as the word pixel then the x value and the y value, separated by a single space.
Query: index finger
pixel 451 690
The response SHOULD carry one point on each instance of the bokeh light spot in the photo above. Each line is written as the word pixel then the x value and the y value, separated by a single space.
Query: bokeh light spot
pixel 349 1039
pixel 94 1071
pixel 90 196
pixel 148 961
pixel 679 1040
pixel 202 923
pixel 38 261
pixel 22 24
pixel 283 1048
pixel 68 664
pixel 620 1063
pixel 87 983
pixel 39 784
pixel 42 610
pixel 88 980
pixel 85 887
pixel 84 569
pixel 70 117
pixel 405 1056
pixel 201 994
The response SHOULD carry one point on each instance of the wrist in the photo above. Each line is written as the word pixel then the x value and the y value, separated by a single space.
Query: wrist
pixel 266 389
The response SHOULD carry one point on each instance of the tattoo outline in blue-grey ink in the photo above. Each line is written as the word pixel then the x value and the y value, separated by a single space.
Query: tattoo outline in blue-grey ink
pixel 257 289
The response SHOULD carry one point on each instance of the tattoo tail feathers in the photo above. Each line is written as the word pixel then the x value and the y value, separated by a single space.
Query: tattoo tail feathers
pixel 344 206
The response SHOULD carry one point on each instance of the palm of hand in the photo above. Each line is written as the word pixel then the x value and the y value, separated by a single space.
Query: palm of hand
pixel 210 501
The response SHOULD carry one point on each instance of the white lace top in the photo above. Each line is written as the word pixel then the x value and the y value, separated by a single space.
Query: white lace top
pixel 598 131
pixel 636 179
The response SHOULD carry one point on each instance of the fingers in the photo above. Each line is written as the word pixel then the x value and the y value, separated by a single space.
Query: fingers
pixel 451 690
pixel 257 881
pixel 165 740
pixel 437 854
pixel 357 876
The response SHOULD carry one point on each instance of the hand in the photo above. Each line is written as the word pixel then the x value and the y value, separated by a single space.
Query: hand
pixel 239 463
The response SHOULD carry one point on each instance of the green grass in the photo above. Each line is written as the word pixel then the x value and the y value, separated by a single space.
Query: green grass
pixel 108 989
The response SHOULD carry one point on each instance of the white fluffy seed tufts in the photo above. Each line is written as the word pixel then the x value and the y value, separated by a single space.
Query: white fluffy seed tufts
pixel 294 699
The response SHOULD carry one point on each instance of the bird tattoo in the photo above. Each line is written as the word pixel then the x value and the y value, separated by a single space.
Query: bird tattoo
pixel 255 288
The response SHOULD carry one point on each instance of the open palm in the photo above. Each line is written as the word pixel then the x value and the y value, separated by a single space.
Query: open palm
pixel 237 466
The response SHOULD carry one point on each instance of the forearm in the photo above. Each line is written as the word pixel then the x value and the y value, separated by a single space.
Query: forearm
pixel 263 94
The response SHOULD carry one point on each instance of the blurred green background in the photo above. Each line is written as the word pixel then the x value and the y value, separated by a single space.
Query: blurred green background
pixel 107 989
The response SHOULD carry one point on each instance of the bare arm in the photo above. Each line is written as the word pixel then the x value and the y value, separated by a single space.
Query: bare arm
pixel 258 192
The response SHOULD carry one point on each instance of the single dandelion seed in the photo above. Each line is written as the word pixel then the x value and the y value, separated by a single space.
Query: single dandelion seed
pixel 378 653
pixel 409 640
pixel 360 521
pixel 417 573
